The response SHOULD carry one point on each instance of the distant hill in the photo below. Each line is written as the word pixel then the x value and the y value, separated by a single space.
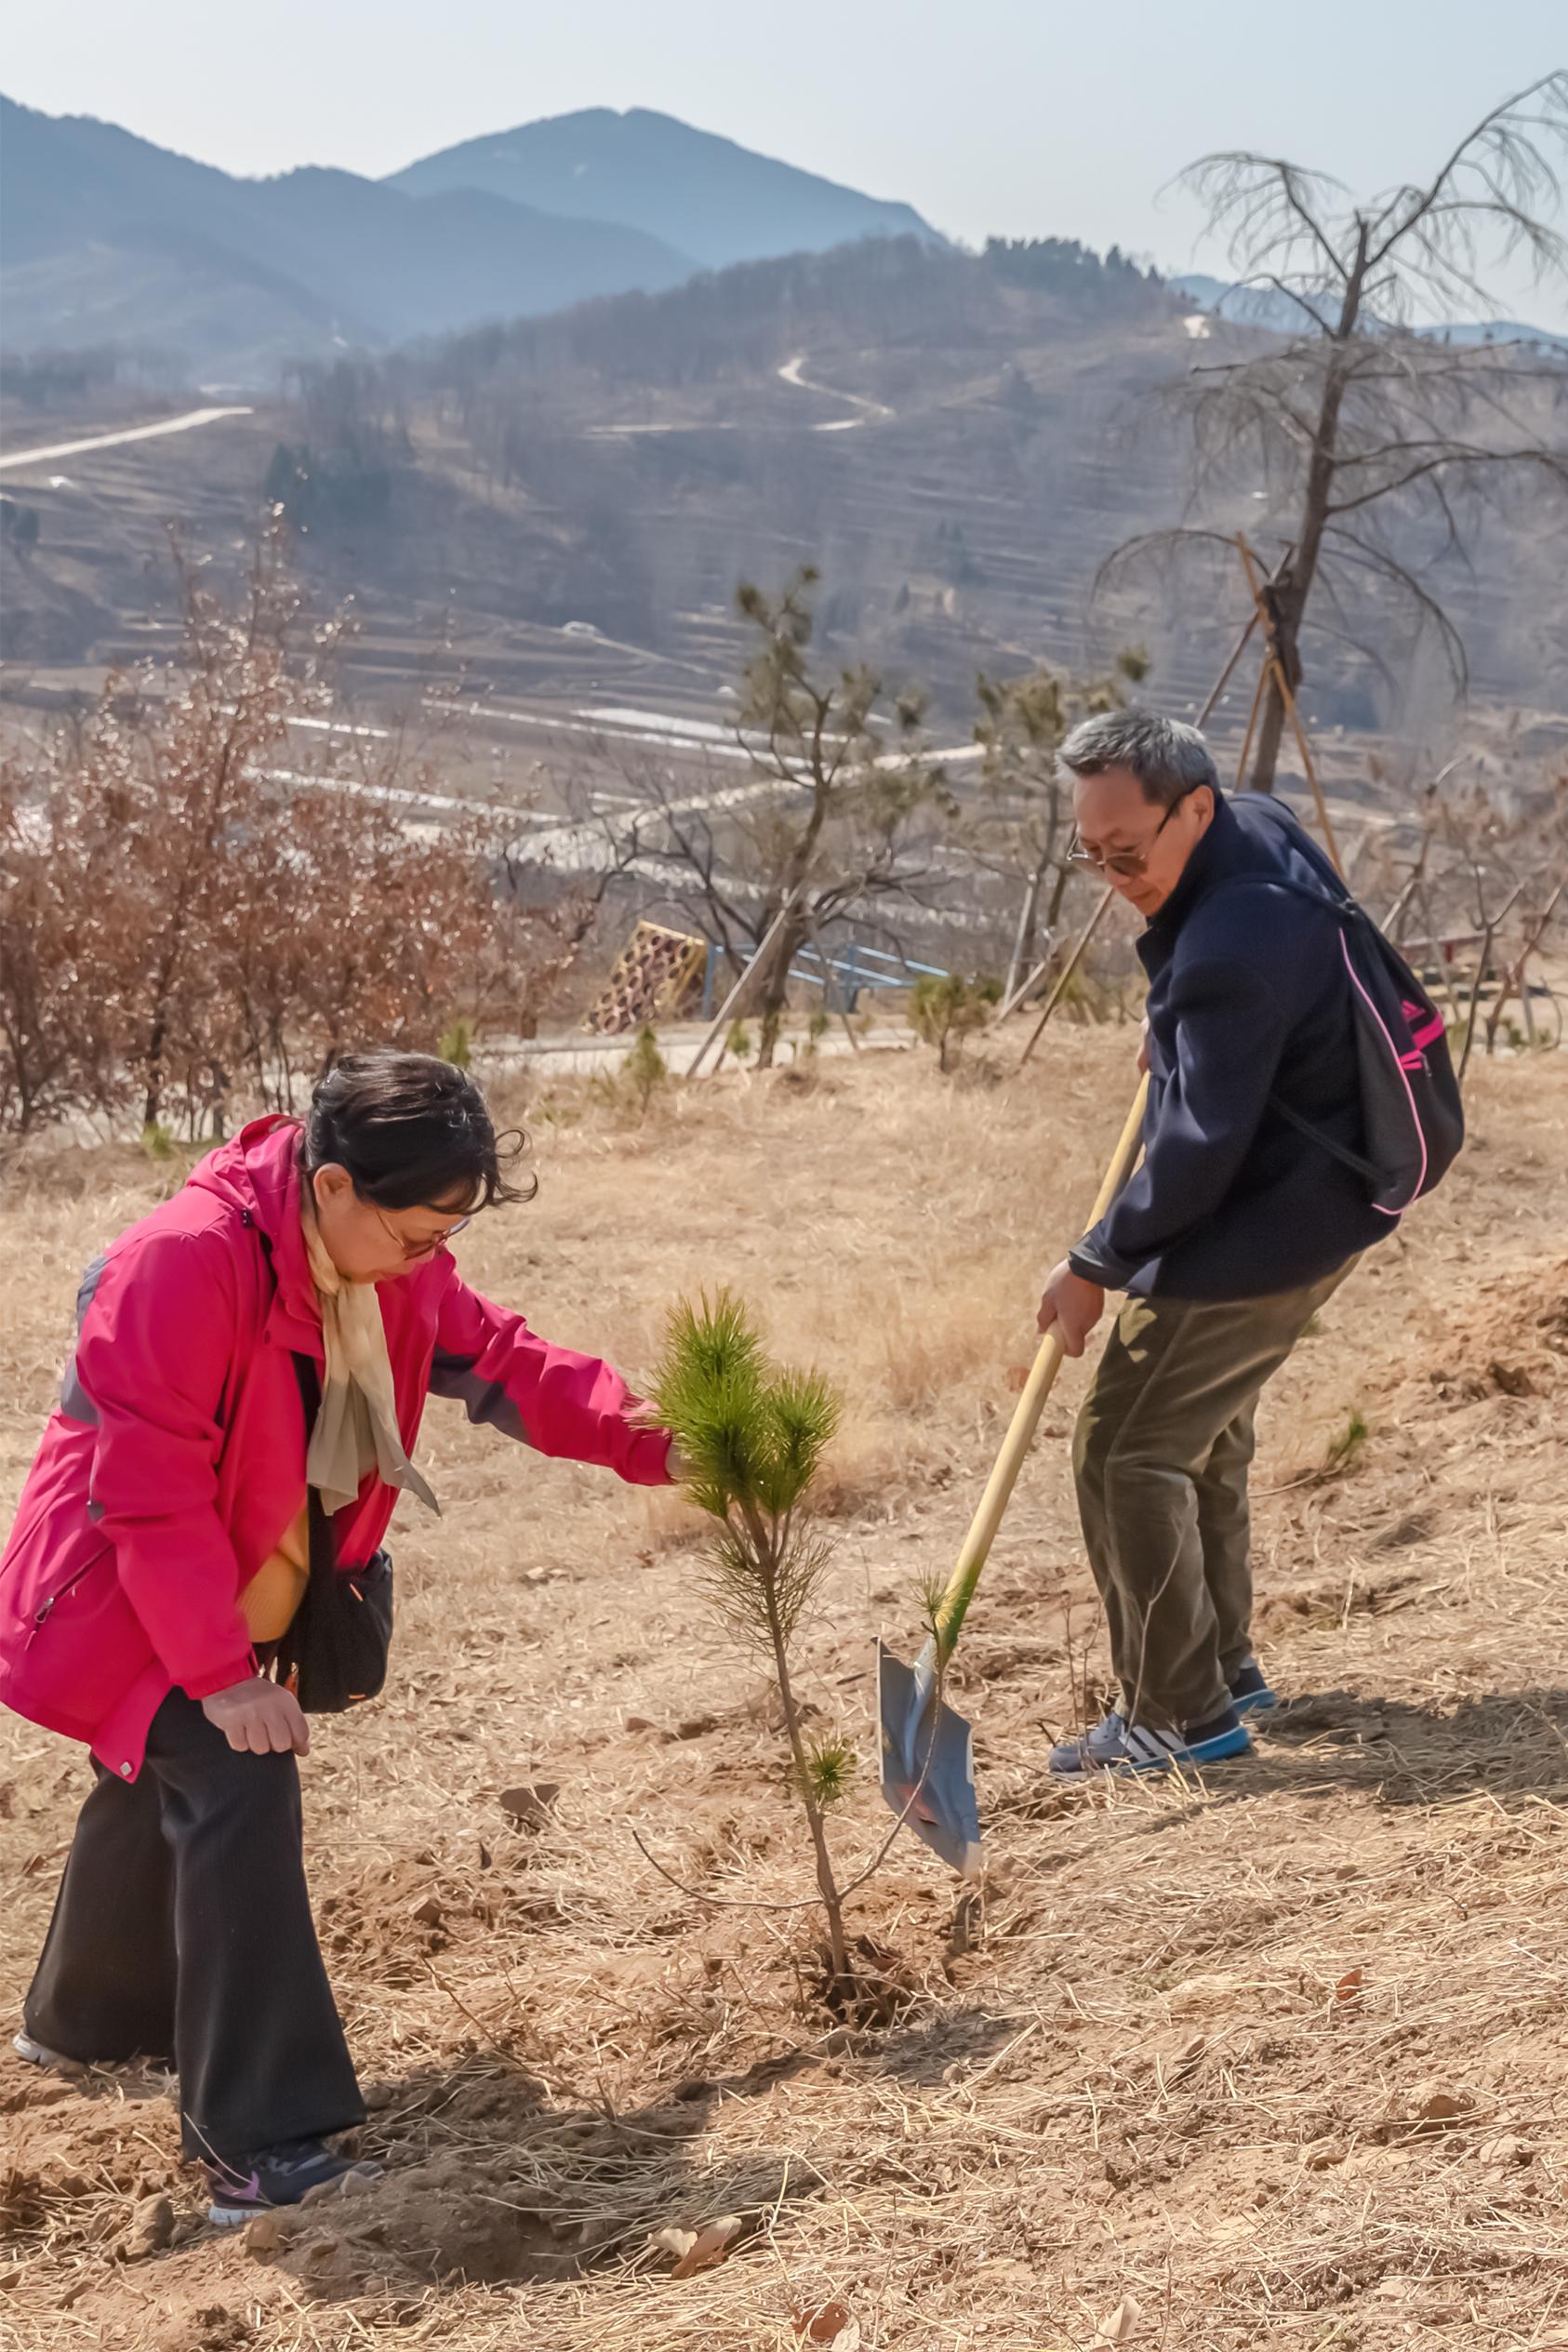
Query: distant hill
pixel 1266 306
pixel 703 194
pixel 106 238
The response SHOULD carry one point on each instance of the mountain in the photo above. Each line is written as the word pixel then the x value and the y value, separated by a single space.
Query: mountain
pixel 1266 306
pixel 703 194
pixel 107 238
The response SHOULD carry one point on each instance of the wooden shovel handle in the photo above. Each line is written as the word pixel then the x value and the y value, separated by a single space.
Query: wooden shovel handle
pixel 1026 1415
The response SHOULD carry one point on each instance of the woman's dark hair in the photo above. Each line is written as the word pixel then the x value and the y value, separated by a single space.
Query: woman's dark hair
pixel 413 1132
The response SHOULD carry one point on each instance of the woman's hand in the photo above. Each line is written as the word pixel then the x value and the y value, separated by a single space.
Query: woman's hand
pixel 260 1716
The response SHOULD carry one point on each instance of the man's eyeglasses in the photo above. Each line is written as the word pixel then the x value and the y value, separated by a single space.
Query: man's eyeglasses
pixel 432 1242
pixel 1126 863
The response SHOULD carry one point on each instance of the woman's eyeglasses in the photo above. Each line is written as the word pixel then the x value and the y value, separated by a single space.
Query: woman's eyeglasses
pixel 432 1242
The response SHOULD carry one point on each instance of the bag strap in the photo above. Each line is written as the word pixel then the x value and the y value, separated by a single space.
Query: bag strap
pixel 323 1544
pixel 1340 1151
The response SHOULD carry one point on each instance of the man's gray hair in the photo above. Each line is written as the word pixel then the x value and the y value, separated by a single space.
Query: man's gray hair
pixel 1167 758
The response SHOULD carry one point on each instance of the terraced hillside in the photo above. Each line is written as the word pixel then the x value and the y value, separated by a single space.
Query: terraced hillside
pixel 956 441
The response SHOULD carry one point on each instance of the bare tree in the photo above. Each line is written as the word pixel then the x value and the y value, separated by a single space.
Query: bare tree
pixel 854 778
pixel 829 824
pixel 1370 436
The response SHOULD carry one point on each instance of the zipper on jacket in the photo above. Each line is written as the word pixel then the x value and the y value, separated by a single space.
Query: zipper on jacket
pixel 41 1615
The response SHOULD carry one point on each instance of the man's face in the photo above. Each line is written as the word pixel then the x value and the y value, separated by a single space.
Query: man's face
pixel 1150 845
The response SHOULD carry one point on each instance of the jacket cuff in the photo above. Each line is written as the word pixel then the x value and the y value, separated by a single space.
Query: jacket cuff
pixel 203 1686
pixel 1091 1262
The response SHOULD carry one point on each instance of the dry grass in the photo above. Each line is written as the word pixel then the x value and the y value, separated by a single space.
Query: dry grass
pixel 1126 2072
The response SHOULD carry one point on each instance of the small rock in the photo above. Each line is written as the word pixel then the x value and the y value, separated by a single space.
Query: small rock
pixel 639 1724
pixel 1435 2105
pixel 532 1803
pixel 321 2253
pixel 325 2191
pixel 1506 2148
pixel 151 2226
pixel 697 1726
pixel 1323 2155
pixel 359 2183
pixel 427 1911
pixel 263 2236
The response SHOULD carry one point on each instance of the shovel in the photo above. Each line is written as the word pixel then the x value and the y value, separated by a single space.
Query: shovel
pixel 927 1749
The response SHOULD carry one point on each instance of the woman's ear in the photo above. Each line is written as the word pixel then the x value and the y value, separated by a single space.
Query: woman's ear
pixel 332 1185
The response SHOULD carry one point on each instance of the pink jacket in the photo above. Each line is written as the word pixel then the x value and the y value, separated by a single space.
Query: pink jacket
pixel 177 1458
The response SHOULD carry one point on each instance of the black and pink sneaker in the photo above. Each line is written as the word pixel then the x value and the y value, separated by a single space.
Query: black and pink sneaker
pixel 281 2175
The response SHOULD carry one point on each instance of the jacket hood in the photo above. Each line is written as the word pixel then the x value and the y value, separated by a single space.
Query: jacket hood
pixel 257 1173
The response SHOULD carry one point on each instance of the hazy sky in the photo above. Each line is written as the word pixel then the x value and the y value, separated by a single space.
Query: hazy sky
pixel 1015 117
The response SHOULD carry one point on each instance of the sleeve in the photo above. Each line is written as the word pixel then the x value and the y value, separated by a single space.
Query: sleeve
pixel 1230 1029
pixel 574 1407
pixel 152 1361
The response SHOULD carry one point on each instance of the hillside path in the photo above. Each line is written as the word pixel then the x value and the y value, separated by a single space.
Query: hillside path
pixel 115 440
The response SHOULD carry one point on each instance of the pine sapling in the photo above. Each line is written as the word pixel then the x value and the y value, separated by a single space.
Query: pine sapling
pixel 753 1435
pixel 645 1068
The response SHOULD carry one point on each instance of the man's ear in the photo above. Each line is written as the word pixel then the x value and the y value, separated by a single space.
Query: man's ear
pixel 1204 802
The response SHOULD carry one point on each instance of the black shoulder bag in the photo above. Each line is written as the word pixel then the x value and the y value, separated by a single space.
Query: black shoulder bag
pixel 334 1654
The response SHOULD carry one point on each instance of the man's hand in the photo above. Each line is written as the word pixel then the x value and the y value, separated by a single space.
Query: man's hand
pixel 260 1716
pixel 1072 1307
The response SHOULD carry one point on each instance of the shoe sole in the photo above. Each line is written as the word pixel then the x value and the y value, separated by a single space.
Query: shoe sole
pixel 1257 1703
pixel 236 2216
pixel 34 2053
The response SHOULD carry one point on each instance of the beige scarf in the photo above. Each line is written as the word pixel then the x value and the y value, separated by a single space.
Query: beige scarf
pixel 356 1429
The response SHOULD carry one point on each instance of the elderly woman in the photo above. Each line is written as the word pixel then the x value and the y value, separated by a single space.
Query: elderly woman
pixel 199 1537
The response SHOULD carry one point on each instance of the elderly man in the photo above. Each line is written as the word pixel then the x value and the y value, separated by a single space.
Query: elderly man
pixel 1237 1228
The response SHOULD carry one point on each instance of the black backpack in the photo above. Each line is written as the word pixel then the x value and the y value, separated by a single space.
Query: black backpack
pixel 1412 1122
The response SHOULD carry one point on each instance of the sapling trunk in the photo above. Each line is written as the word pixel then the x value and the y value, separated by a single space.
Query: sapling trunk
pixel 827 1884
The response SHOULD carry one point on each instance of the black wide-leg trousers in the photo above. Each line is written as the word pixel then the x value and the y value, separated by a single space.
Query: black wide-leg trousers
pixel 183 1930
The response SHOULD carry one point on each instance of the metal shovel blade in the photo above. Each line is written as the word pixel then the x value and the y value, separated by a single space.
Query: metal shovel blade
pixel 927 1762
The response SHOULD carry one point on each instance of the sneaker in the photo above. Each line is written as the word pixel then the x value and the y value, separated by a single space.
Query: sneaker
pixel 1116 1746
pixel 281 2175
pixel 1250 1694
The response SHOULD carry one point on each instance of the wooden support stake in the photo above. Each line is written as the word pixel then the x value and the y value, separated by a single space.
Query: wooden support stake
pixel 722 1015
pixel 1068 968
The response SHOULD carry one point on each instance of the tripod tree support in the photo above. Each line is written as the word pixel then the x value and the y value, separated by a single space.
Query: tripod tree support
pixel 1274 668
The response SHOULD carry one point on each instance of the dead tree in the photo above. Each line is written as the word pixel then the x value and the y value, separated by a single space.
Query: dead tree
pixel 1368 435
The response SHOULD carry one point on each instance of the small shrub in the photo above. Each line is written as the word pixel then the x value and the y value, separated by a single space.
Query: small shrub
pixel 738 1045
pixel 644 1070
pixel 946 1011
pixel 157 1141
pixel 1343 1449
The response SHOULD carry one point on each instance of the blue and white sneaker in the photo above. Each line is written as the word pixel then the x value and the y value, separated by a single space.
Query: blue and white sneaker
pixel 1116 1746
pixel 1250 1694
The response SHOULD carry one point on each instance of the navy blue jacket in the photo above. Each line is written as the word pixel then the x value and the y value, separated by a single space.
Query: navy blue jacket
pixel 1248 996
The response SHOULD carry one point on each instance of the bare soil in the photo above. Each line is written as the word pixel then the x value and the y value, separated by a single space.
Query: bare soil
pixel 1276 2058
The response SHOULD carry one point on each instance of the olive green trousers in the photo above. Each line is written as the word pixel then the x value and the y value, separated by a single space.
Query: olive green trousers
pixel 1161 1457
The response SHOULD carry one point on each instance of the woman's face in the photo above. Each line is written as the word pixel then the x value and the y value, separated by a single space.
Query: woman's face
pixel 371 1245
